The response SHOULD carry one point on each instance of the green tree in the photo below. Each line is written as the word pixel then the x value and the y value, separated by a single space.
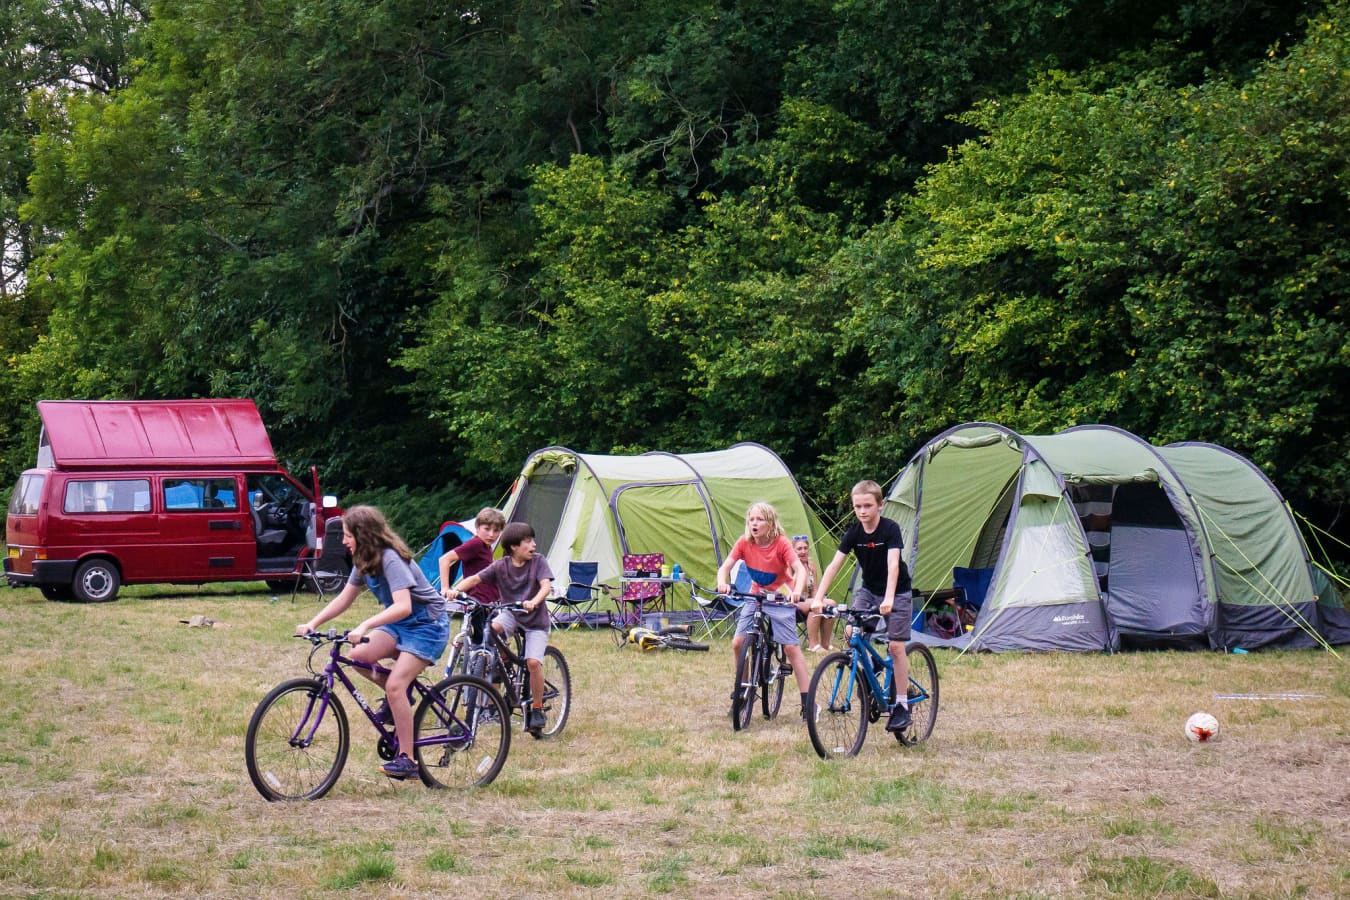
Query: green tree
pixel 1168 260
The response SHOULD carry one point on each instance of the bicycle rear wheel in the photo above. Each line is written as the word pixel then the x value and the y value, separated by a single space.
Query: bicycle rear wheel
pixel 461 733
pixel 295 746
pixel 771 663
pixel 837 705
pixel 675 642
pixel 923 695
pixel 557 693
pixel 743 691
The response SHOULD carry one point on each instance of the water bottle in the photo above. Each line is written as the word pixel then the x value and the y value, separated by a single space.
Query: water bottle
pixel 675 572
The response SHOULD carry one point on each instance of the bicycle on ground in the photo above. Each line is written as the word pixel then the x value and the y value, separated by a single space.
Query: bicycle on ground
pixel 672 637
pixel 480 652
pixel 298 737
pixel 851 689
pixel 761 663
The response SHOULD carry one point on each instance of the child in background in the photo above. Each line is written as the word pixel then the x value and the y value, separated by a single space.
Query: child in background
pixel 475 554
pixel 818 628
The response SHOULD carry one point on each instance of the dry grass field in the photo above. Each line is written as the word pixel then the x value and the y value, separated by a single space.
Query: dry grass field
pixel 121 757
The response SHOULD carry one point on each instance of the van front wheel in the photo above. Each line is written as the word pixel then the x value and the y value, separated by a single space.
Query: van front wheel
pixel 96 581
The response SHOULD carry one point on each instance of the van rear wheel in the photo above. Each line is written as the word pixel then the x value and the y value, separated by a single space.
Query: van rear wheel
pixel 96 581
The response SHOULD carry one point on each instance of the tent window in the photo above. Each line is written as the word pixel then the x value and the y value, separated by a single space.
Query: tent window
pixel 542 498
pixel 1145 505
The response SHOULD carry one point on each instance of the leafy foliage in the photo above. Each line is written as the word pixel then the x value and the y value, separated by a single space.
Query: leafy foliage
pixel 430 239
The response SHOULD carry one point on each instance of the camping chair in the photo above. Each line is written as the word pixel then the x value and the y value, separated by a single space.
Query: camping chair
pixel 638 592
pixel 328 571
pixel 582 594
pixel 718 613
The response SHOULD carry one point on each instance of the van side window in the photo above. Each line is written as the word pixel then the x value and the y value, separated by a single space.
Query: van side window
pixel 103 496
pixel 189 494
pixel 27 495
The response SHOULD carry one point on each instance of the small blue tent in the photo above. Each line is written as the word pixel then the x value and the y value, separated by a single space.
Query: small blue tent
pixel 451 535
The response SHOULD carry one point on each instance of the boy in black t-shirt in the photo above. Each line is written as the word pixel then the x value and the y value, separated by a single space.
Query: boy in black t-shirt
pixel 883 583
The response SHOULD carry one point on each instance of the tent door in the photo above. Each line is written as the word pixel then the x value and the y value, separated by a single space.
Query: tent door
pixel 542 500
pixel 1152 592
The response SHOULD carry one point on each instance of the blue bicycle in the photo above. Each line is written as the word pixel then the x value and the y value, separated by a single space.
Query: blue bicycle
pixel 849 690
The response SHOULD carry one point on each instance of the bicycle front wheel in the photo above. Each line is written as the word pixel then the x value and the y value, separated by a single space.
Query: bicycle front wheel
pixel 923 695
pixel 461 733
pixel 772 662
pixel 557 693
pixel 743 692
pixel 297 741
pixel 837 705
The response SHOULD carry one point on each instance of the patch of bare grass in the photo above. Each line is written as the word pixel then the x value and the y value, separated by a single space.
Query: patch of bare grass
pixel 122 757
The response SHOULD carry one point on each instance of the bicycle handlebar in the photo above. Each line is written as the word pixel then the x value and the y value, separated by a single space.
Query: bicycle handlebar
pixel 467 602
pixel 776 598
pixel 330 636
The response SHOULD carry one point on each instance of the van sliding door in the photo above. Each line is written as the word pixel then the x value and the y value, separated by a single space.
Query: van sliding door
pixel 206 528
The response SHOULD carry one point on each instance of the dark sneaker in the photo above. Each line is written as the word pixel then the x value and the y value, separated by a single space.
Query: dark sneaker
pixel 400 767
pixel 785 670
pixel 384 713
pixel 535 721
pixel 899 719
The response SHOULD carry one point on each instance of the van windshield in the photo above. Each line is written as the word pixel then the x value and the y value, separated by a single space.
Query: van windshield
pixel 27 495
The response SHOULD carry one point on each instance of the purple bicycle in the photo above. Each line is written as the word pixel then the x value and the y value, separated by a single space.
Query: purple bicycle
pixel 298 737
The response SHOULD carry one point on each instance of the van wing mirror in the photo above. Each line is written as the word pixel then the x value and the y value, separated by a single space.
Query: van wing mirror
pixel 329 501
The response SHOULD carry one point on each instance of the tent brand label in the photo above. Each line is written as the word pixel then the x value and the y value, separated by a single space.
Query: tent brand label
pixel 1075 619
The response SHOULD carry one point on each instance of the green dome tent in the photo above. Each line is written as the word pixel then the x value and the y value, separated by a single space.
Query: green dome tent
pixel 1091 539
pixel 690 507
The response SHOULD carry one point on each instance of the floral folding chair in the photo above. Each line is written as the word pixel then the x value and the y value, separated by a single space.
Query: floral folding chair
pixel 638 594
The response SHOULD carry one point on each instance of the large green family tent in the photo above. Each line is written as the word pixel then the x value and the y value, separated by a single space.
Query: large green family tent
pixel 691 507
pixel 1093 539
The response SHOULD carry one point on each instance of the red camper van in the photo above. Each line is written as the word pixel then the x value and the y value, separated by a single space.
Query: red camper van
pixel 180 491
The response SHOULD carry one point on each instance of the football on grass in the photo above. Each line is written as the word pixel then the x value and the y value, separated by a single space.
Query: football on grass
pixel 1202 728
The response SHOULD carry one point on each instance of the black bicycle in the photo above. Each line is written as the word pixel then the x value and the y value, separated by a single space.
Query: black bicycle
pixel 298 737
pixel 761 664
pixel 480 652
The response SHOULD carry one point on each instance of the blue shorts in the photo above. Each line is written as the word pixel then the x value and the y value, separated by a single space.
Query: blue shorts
pixel 420 635
pixel 898 622
pixel 782 615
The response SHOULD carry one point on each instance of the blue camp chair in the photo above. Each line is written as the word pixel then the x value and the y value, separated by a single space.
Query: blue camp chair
pixel 582 594
pixel 719 612
pixel 973 583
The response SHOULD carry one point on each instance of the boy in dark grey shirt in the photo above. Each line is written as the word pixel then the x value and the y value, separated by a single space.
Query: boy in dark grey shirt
pixel 523 578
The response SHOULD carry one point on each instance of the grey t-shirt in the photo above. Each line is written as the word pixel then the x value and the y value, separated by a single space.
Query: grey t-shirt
pixel 397 574
pixel 516 584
